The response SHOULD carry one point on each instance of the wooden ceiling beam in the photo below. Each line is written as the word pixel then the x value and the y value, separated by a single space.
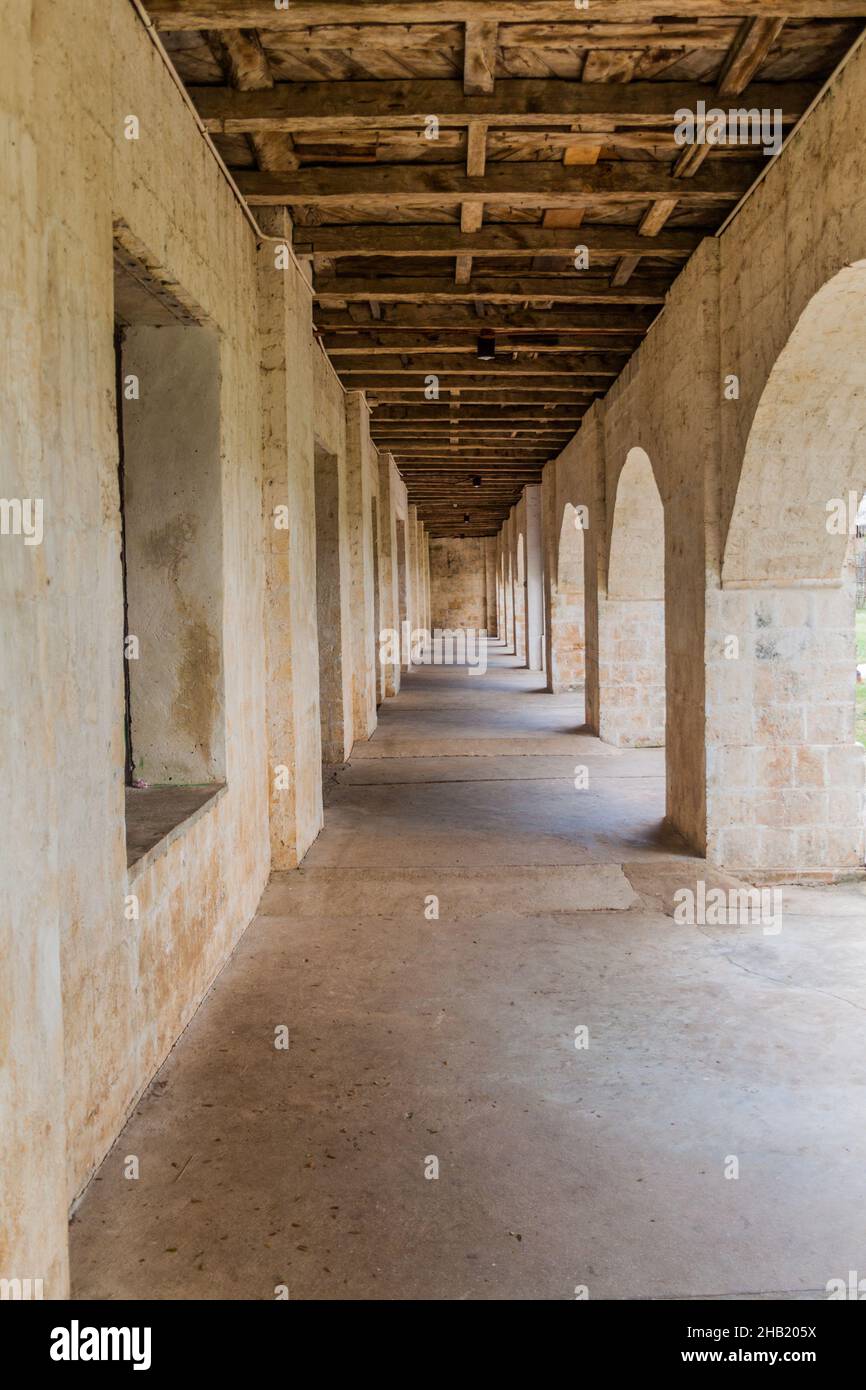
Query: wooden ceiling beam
pixel 343 107
pixel 575 34
pixel 264 14
pixel 242 58
pixel 379 240
pixel 378 188
pixel 462 318
pixel 462 344
pixel 409 415
pixel 451 474
pixel 525 290
pixel 483 395
pixel 586 365
pixel 469 429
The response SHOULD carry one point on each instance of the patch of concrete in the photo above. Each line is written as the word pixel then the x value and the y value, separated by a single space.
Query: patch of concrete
pixel 462 895
pixel 658 880
pixel 479 747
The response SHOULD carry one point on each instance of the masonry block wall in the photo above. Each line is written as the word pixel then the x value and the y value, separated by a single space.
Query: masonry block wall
pixel 458 581
pixel 786 778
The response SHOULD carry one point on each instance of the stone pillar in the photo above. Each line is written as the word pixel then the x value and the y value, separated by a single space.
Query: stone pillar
pixel 425 576
pixel 490 584
pixel 288 481
pixel 785 778
pixel 565 637
pixel 500 587
pixel 509 577
pixel 416 597
pixel 518 551
pixel 388 602
pixel 359 500
pixel 534 579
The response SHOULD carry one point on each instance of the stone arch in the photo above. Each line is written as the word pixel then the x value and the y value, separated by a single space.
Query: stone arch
pixel 812 415
pixel 785 784
pixel 631 615
pixel 636 557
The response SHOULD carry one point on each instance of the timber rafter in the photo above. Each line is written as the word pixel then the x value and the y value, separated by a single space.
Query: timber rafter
pixel 490 194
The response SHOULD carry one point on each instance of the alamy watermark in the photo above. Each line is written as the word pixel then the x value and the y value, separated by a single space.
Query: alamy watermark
pixel 734 907
pixel 21 1290
pixel 22 516
pixel 739 126
pixel 420 646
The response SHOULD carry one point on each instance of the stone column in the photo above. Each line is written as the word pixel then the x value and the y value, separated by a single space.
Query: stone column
pixel 388 600
pixel 359 499
pixel 490 584
pixel 785 778
pixel 534 579
pixel 518 550
pixel 509 578
pixel 288 481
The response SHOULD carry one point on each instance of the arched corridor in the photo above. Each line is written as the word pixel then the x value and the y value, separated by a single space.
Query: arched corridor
pixel 433 565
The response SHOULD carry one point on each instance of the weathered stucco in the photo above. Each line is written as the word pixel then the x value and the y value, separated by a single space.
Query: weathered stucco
pixel 101 968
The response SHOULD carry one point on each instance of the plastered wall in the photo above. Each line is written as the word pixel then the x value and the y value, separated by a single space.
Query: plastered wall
pixel 101 968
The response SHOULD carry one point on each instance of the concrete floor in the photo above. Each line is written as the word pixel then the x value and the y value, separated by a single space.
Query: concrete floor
pixel 454 1038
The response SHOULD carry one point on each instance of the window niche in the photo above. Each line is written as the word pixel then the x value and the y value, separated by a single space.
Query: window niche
pixel 170 483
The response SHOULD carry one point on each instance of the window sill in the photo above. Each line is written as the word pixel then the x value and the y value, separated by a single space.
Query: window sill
pixel 157 816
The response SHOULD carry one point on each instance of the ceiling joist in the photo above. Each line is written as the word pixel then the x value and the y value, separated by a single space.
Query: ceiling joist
pixel 491 193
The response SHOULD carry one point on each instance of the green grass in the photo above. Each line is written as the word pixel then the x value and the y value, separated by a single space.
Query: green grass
pixel 860 697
